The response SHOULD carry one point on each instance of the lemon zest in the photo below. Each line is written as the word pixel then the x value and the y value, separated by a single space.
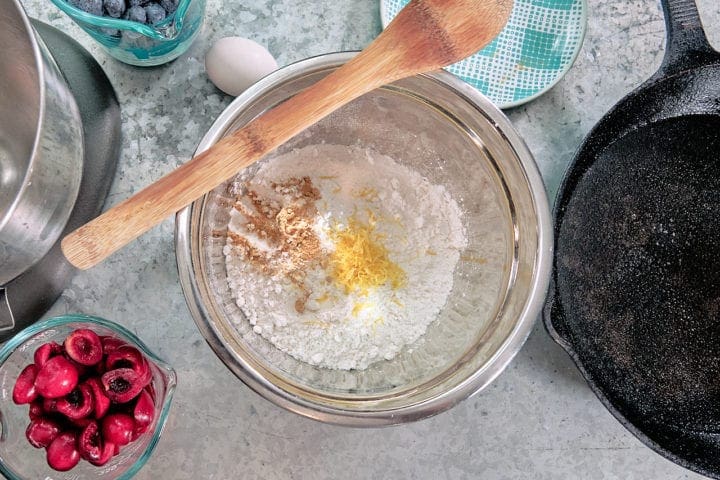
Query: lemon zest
pixel 317 323
pixel 366 193
pixel 323 298
pixel 375 324
pixel 360 261
pixel 358 307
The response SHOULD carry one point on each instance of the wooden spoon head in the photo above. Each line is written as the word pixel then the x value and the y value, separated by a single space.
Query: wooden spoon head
pixel 431 34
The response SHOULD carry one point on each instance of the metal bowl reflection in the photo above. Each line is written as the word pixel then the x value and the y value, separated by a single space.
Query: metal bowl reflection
pixel 452 135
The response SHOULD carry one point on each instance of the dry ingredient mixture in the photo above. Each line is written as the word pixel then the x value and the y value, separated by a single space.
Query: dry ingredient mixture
pixel 340 256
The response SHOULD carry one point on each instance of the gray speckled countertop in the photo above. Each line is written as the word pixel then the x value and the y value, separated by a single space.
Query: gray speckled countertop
pixel 538 420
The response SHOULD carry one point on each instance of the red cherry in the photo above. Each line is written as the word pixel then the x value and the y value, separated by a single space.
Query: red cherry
pixel 126 356
pixel 56 378
pixel 101 402
pixel 42 431
pixel 122 384
pixel 110 344
pixel 76 404
pixel 62 454
pixel 151 390
pixel 143 413
pixel 84 346
pixel 24 390
pixel 46 351
pixel 118 428
pixel 90 442
pixel 109 450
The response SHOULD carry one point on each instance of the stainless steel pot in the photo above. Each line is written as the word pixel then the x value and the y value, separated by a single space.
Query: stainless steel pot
pixel 41 146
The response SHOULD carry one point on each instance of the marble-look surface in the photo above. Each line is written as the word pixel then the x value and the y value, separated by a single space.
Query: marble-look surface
pixel 538 420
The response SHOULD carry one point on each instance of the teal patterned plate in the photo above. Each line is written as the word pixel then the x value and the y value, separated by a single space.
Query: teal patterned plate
pixel 532 53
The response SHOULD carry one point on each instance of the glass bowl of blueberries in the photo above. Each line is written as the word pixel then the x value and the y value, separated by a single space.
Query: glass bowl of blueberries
pixel 139 32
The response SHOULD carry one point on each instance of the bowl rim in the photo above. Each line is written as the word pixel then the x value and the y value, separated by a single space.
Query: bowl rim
pixel 413 411
pixel 171 377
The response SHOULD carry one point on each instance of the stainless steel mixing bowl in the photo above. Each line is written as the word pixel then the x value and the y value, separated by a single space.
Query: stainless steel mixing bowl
pixel 41 148
pixel 447 131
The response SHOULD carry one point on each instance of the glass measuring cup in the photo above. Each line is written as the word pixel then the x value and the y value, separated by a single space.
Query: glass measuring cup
pixel 139 44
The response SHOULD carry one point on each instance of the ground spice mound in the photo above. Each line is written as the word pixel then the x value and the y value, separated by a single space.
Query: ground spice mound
pixel 287 229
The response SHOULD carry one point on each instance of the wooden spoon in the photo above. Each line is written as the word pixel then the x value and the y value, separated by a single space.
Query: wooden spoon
pixel 426 35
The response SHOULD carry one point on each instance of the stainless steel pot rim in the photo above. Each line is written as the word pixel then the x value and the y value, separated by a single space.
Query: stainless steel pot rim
pixel 41 112
pixel 440 402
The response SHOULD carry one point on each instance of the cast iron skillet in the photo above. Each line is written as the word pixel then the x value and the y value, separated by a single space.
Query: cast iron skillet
pixel 635 294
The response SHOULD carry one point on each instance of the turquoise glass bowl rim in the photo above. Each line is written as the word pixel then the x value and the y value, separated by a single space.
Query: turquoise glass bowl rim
pixel 64 320
pixel 386 17
pixel 82 16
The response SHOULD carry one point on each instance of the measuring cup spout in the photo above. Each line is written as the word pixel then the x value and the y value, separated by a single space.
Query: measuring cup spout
pixel 167 32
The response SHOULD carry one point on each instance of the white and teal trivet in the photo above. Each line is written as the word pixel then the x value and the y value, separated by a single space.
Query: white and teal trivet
pixel 532 53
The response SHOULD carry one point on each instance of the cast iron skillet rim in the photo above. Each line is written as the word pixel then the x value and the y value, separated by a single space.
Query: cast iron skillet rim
pixel 634 430
pixel 679 60
pixel 687 50
pixel 567 187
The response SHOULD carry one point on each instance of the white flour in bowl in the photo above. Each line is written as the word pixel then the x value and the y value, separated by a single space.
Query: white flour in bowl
pixel 339 256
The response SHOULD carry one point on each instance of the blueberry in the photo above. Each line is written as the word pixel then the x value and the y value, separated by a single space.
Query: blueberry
pixel 169 5
pixel 155 13
pixel 94 7
pixel 136 14
pixel 135 3
pixel 114 8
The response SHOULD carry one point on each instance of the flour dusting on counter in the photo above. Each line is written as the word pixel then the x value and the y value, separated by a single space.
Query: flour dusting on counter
pixel 339 256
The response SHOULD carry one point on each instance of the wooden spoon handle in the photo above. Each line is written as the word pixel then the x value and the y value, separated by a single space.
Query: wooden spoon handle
pixel 425 35
pixel 94 241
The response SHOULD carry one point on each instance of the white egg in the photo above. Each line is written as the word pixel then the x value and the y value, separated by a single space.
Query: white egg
pixel 235 63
